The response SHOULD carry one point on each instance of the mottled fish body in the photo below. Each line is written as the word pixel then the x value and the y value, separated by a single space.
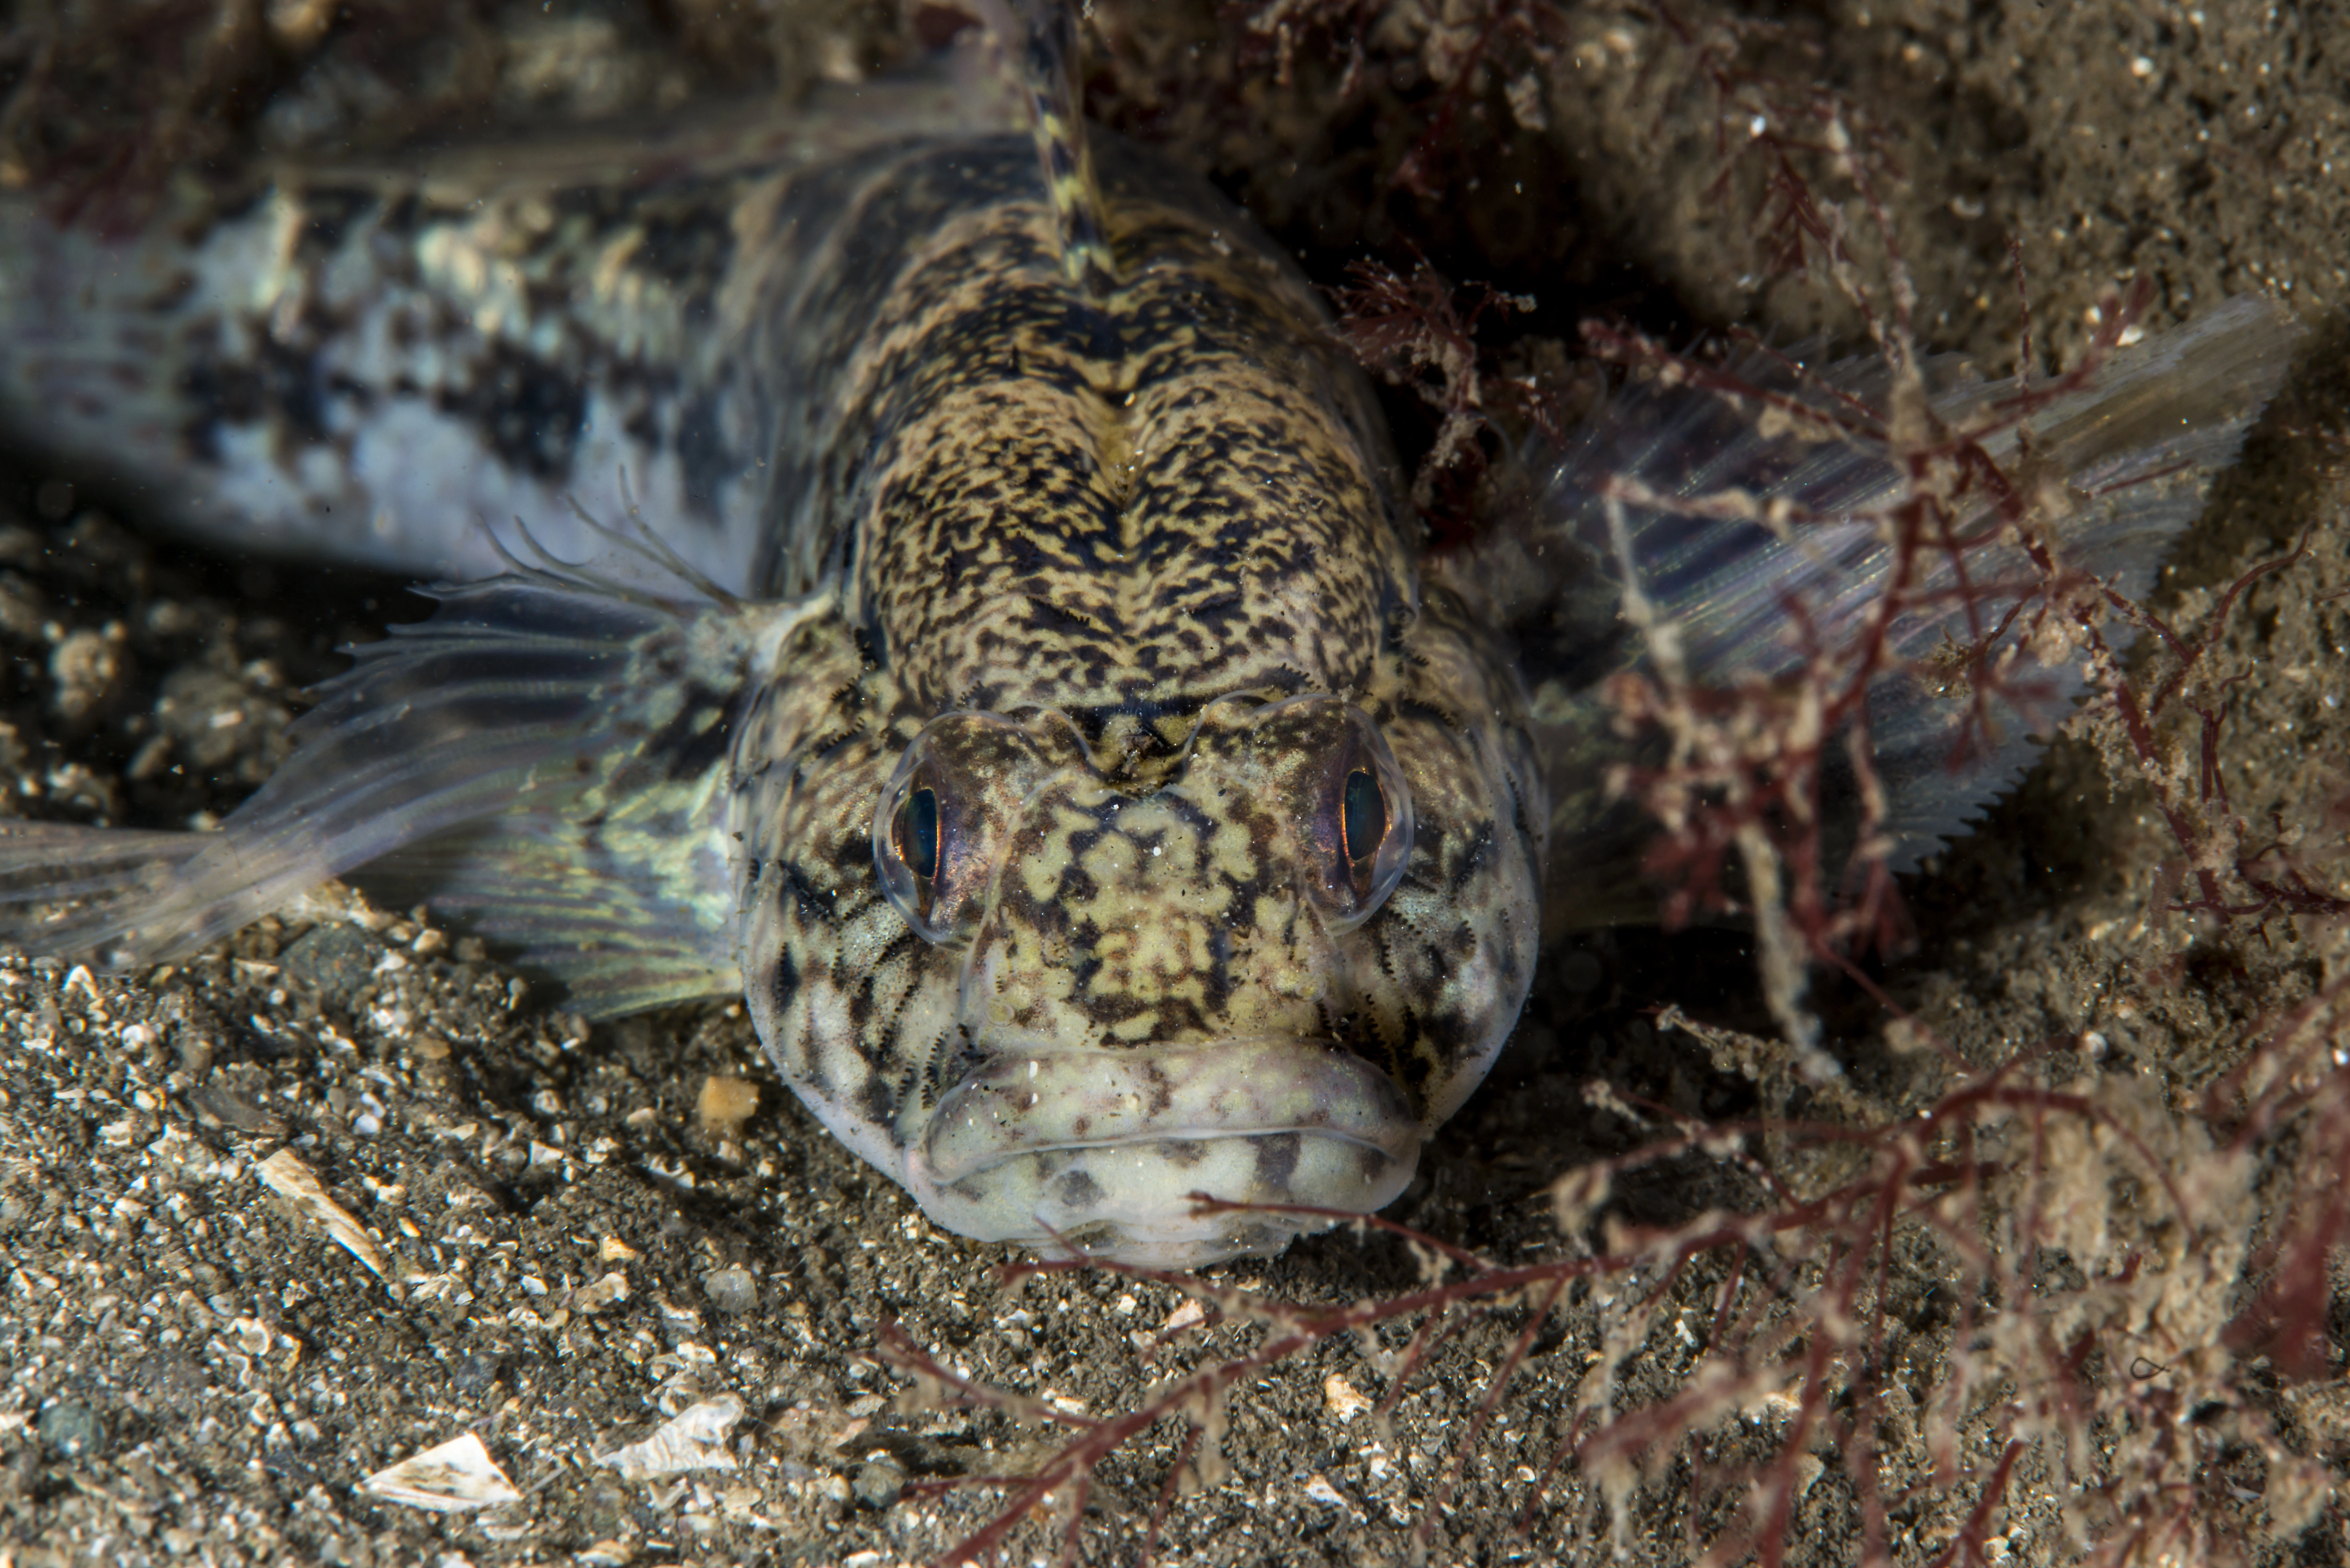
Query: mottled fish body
pixel 366 364
pixel 1024 687
pixel 1207 842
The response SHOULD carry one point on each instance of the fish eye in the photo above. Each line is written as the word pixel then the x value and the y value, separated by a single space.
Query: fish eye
pixel 913 843
pixel 915 834
pixel 1352 809
pixel 1362 826
pixel 938 823
pixel 1364 822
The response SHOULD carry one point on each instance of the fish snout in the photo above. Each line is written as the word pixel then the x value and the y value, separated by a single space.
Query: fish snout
pixel 1121 922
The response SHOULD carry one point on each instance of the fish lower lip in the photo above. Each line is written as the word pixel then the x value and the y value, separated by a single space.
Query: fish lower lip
pixel 1038 1146
pixel 1026 1103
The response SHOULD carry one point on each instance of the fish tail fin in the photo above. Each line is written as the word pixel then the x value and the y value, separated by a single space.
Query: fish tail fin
pixel 546 758
pixel 61 885
pixel 1755 523
pixel 1039 41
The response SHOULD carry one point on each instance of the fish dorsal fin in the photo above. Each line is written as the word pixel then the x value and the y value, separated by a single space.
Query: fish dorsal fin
pixel 1039 41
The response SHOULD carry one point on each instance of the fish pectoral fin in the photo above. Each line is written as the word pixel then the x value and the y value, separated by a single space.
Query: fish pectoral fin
pixel 620 922
pixel 1737 535
pixel 52 874
pixel 547 757
pixel 1038 40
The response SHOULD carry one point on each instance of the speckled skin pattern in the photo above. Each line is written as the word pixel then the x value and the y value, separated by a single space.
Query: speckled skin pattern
pixel 368 364
pixel 1112 557
pixel 1081 543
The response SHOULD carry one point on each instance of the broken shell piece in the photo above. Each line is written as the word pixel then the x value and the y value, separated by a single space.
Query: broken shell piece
pixel 456 1478
pixel 284 1174
pixel 694 1441
pixel 1340 1398
pixel 612 1287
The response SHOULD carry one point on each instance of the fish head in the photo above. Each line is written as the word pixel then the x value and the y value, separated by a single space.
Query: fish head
pixel 1262 968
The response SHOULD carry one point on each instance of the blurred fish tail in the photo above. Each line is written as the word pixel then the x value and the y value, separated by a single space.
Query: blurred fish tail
pixel 546 759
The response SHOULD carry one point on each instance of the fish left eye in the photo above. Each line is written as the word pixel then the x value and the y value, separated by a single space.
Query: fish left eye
pixel 916 833
pixel 1363 827
pixel 1352 809
pixel 1365 823
pixel 916 851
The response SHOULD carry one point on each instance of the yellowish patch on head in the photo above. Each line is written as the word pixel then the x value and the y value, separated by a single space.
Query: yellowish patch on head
pixel 1040 876
pixel 1232 850
pixel 1110 861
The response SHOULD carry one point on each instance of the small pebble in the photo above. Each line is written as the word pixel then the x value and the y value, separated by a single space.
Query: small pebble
pixel 72 1431
pixel 473 1373
pixel 731 1289
pixel 879 1482
pixel 334 962
pixel 83 669
pixel 725 1103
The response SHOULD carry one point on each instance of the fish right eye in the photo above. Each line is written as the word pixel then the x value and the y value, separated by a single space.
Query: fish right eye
pixel 940 820
pixel 917 833
pixel 910 846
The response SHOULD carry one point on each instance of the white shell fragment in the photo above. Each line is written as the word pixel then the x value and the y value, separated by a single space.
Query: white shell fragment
pixel 695 1439
pixel 456 1478
pixel 612 1287
pixel 284 1174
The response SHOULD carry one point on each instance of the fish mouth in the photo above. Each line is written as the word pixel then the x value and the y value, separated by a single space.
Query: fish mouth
pixel 1097 1153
